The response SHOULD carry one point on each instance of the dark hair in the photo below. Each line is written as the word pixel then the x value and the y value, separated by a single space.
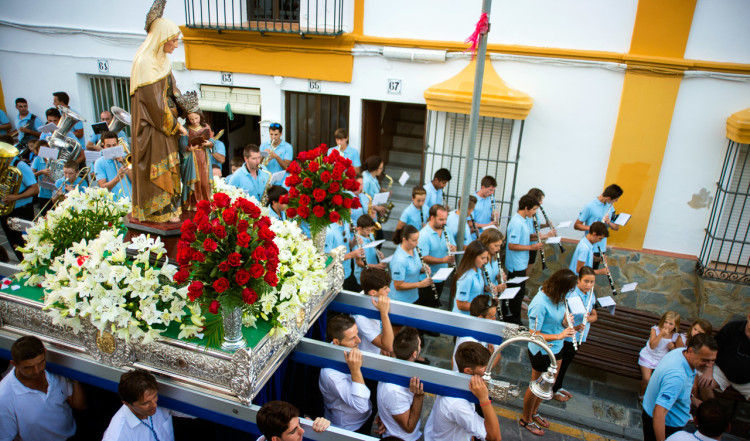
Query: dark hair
pixel 21 101
pixel 405 343
pixel 404 233
pixel 276 126
pixel 26 348
pixel 373 279
pixel 372 163
pixel 586 271
pixel 250 148
pixel 474 249
pixel 108 135
pixel 599 229
pixel 527 202
pixel 273 418
pixel 704 324
pixel 337 325
pixel 53 112
pixel 472 201
pixel 62 97
pixel 471 354
pixel 237 161
pixel 418 190
pixel 134 384
pixel 435 209
pixel 613 191
pixel 39 143
pixel 481 305
pixel 71 164
pixel 443 175
pixel 559 284
pixel 490 235
pixel 488 181
pixel 365 221
pixel 7 139
pixel 275 192
pixel 711 418
pixel 341 133
pixel 701 340
pixel 536 194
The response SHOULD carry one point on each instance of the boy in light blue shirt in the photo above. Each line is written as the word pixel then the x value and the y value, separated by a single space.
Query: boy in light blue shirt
pixel 435 187
pixel 416 214
pixel 584 252
pixel 517 252
pixel 483 215
pixel 347 151
pixel 70 180
pixel 600 209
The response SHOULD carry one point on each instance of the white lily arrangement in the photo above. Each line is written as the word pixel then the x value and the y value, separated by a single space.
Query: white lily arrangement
pixel 80 216
pixel 125 295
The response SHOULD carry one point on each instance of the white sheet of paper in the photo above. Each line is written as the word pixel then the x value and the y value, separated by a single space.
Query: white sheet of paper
pixel 607 303
pixel 278 176
pixel 380 198
pixel 517 280
pixel 113 152
pixel 554 239
pixel 387 259
pixel 622 219
pixel 442 274
pixel 629 287
pixel 576 307
pixel 48 153
pixel 404 177
pixel 509 293
pixel 456 253
pixel 373 244
pixel 48 128
pixel 91 155
pixel 565 224
pixel 48 185
pixel 488 227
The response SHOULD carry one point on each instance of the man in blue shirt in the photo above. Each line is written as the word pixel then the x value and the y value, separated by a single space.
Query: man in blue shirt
pixel 23 208
pixel 483 214
pixel 251 177
pixel 416 213
pixel 517 252
pixel 62 100
pixel 4 123
pixel 280 153
pixel 218 154
pixel 434 243
pixel 106 117
pixel 347 151
pixel 584 253
pixel 455 215
pixel 112 174
pixel 27 123
pixel 435 187
pixel 666 403
pixel 600 209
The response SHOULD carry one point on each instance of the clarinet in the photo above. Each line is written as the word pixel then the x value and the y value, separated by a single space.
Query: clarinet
pixel 421 218
pixel 570 323
pixel 448 245
pixel 474 225
pixel 493 217
pixel 359 243
pixel 541 250
pixel 609 276
pixel 546 219
pixel 488 281
pixel 586 317
pixel 501 273
pixel 432 282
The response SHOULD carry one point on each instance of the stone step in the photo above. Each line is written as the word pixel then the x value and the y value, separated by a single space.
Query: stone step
pixel 408 128
pixel 405 158
pixel 408 143
pixel 415 114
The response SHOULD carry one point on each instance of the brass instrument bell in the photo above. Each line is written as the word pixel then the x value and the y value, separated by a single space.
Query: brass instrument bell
pixel 10 177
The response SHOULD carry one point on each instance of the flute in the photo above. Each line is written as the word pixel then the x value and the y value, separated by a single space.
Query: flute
pixel 586 317
pixel 448 245
pixel 432 282
pixel 606 210
pixel 539 237
pixel 609 276
pixel 546 219
pixel 570 324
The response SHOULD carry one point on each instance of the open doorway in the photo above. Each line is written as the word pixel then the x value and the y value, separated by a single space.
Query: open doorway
pixel 238 132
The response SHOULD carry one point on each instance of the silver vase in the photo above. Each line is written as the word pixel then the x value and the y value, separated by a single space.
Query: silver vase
pixel 319 240
pixel 232 320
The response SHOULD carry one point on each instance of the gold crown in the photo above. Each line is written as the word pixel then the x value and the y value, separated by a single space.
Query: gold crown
pixel 189 101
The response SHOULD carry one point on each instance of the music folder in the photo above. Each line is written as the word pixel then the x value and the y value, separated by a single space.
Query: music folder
pixel 99 127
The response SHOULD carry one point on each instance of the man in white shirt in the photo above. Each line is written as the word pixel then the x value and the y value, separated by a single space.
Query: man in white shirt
pixel 400 407
pixel 345 396
pixel 455 419
pixel 376 335
pixel 35 404
pixel 712 421
pixel 279 421
pixel 484 307
pixel 139 418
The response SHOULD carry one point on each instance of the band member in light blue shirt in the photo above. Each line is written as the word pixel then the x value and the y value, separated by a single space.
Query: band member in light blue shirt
pixel 61 99
pixel 275 207
pixel 435 187
pixel 250 177
pixel 483 215
pixel 600 209
pixel 347 151
pixel 517 252
pixel 370 180
pixel 454 217
pixel 416 213
pixel 469 280
pixel 436 245
pixel 584 252
pixel 27 123
pixel 280 152
pixel 406 268
pixel 113 174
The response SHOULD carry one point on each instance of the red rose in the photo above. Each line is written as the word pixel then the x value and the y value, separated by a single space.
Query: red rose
pixel 337 200
pixel 351 173
pixel 214 308
pixel 234 259
pixel 294 168
pixel 347 162
pixel 256 270
pixel 264 222
pixel 325 176
pixel 284 199
pixel 189 236
pixel 304 200
pixel 242 277
pixel 292 180
pixel 336 175
pixel 195 290
pixel 204 226
pixel 224 267
pixel 356 203
pixel 209 245
pixel 220 231
pixel 243 239
pixel 272 251
pixel 304 212
pixel 266 233
pixel 293 192
pixel 339 167
pixel 259 254
pixel 348 203
pixel 271 278
pixel 221 284
pixel 319 211
pixel 302 156
pixel 221 200
pixel 307 183
pixel 181 276
pixel 198 256
pixel 350 184
pixel 230 216
pixel 199 216
pixel 188 225
pixel 314 166
pixel 319 194
pixel 291 212
pixel 252 210
pixel 335 187
pixel 249 296
pixel 243 225
pixel 184 255
pixel 203 206
pixel 334 216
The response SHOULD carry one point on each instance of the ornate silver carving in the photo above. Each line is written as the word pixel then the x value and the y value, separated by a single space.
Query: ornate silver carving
pixel 232 320
pixel 105 347
pixel 502 390
pixel 319 240
pixel 242 383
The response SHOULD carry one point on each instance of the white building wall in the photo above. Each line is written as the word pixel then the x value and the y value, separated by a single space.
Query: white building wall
pixel 694 155
pixel 720 31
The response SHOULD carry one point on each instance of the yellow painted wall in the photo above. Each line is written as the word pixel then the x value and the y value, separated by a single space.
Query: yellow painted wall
pixel 2 98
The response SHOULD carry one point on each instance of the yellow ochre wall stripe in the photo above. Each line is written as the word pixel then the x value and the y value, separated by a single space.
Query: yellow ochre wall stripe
pixel 648 98
pixel 2 98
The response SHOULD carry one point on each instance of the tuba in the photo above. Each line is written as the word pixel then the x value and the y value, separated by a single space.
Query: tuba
pixel 68 147
pixel 10 177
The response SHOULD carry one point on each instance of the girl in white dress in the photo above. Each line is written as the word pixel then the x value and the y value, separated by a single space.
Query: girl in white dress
pixel 662 340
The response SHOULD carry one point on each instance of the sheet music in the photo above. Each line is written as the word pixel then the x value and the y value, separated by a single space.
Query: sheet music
pixel 517 280
pixel 456 253
pixel 577 308
pixel 442 274
pixel 387 259
pixel 629 287
pixel 380 198
pixel 91 155
pixel 113 152
pixel 48 128
pixel 404 177
pixel 509 293
pixel 276 177
pixel 554 239
pixel 373 244
pixel 565 224
pixel 48 153
pixel 264 153
pixel 622 219
pixel 607 303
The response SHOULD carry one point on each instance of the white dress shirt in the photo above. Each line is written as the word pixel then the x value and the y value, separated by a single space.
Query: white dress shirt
pixel 125 426
pixel 395 400
pixel 453 419
pixel 347 404
pixel 369 329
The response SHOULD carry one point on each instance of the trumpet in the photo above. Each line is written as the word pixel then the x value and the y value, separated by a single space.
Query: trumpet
pixel 586 317
pixel 539 237
pixel 432 282
pixel 389 206
pixel 268 157
pixel 609 276
pixel 569 316
pixel 546 219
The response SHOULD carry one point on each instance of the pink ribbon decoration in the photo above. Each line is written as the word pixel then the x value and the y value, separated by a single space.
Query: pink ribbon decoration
pixel 483 26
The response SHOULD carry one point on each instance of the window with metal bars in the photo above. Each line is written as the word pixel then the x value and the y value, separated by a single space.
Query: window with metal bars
pixel 108 92
pixel 725 254
pixel 496 154
pixel 311 119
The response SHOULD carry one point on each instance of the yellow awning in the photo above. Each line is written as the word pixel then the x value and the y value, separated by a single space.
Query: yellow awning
pixel 738 127
pixel 498 99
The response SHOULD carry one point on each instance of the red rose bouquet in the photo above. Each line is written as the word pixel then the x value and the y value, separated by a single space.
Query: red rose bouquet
pixel 319 187
pixel 228 253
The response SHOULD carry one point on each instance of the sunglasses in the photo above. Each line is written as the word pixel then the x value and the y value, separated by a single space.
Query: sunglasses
pixel 275 126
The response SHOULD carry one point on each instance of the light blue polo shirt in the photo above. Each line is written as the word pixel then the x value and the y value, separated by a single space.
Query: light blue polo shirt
pixel 107 169
pixel 546 318
pixel 432 243
pixel 452 226
pixel 594 211
pixel 335 236
pixel 578 319
pixel 669 387
pixel 405 268
pixel 219 148
pixel 254 186
pixel 350 153
pixel 285 152
pixel 530 221
pixel 38 164
pixel 79 182
pixel 273 214
pixel 434 196
pixel 483 209
pixel 492 270
pixel 21 122
pixel 3 120
pixel 412 217
pixel 518 234
pixel 357 212
pixel 370 257
pixel 27 180
pixel 370 184
pixel 468 287
pixel 584 253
